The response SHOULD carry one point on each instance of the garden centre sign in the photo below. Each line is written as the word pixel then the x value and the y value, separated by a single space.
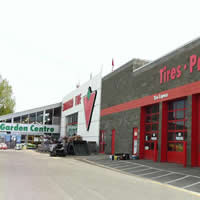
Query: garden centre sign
pixel 28 128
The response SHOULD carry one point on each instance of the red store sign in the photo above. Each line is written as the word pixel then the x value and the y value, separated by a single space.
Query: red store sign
pixel 176 72
pixel 69 104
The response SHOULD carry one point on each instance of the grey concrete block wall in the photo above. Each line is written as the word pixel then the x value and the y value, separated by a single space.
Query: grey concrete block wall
pixel 123 123
pixel 125 85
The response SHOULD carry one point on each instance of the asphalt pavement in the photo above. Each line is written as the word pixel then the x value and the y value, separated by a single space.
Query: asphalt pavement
pixel 168 173
pixel 28 175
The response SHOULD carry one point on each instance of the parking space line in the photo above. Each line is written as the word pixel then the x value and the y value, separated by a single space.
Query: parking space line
pixel 128 166
pixel 131 168
pixel 132 163
pixel 141 170
pixel 162 170
pixel 109 165
pixel 151 172
pixel 187 186
pixel 121 166
pixel 155 177
pixel 103 161
pixel 117 165
pixel 178 179
pixel 141 165
pixel 113 163
pixel 137 164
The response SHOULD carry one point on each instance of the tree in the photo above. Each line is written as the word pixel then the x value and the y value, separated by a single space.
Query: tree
pixel 7 101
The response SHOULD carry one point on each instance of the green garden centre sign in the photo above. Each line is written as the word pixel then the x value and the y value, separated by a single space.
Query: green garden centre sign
pixel 28 128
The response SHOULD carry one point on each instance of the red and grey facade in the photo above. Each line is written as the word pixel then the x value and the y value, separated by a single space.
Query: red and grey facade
pixel 152 109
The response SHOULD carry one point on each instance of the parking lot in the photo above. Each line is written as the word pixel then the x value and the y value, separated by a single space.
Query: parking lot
pixel 29 174
pixel 171 174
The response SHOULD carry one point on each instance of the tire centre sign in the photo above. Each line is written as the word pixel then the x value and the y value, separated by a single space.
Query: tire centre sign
pixel 28 128
pixel 173 73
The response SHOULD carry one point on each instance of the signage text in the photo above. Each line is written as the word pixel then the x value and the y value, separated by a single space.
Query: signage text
pixel 160 96
pixel 69 104
pixel 25 128
pixel 167 74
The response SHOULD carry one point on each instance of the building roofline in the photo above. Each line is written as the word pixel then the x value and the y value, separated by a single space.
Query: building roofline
pixel 16 114
pixel 167 55
pixel 122 67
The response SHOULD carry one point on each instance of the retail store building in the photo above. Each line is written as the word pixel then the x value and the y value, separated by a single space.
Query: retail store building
pixel 81 111
pixel 29 125
pixel 77 114
pixel 152 109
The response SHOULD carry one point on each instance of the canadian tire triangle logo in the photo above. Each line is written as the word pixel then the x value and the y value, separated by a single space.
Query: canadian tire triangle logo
pixel 89 101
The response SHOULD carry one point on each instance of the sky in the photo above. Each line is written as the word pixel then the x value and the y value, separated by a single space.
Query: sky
pixel 48 46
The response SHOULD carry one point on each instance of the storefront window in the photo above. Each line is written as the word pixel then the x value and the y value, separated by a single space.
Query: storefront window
pixel 171 126
pixel 177 129
pixel 17 120
pixel 23 138
pixel 56 116
pixel 178 147
pixel 171 115
pixel 151 126
pixel 48 116
pixel 71 126
pixel 32 118
pixel 180 104
pixel 8 121
pixel 40 117
pixel 148 119
pixel 25 119
pixel 57 112
pixel 180 125
pixel 30 139
pixel 155 118
pixel 180 114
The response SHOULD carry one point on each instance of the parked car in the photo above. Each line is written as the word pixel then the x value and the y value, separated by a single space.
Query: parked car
pixel 31 146
pixel 18 147
pixel 3 146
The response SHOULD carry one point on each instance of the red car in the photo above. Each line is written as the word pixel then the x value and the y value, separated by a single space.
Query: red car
pixel 3 146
